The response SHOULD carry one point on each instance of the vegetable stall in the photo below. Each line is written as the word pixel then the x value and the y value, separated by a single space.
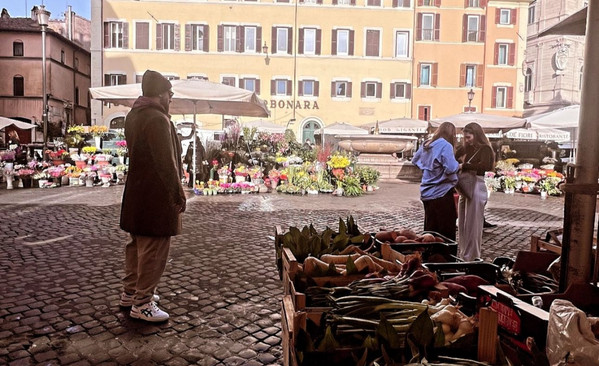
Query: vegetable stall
pixel 353 297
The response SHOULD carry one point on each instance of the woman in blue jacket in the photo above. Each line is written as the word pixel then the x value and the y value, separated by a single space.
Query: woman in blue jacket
pixel 436 159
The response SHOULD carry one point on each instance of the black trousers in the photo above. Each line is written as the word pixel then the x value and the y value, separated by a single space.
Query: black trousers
pixel 440 215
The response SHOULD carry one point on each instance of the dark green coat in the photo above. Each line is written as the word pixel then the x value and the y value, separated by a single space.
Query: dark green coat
pixel 153 193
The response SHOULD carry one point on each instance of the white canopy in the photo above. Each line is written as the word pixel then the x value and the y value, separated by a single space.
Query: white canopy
pixel 400 125
pixel 265 126
pixel 341 128
pixel 566 117
pixel 192 96
pixel 5 122
pixel 538 134
pixel 489 122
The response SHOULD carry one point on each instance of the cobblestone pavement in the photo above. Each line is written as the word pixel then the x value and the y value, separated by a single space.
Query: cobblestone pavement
pixel 61 260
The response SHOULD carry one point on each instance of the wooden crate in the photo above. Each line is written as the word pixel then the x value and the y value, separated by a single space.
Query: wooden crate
pixel 289 326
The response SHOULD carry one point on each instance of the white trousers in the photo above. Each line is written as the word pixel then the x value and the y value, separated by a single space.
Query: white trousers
pixel 471 216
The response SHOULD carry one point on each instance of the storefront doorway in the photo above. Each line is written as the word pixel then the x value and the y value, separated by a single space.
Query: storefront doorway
pixel 310 125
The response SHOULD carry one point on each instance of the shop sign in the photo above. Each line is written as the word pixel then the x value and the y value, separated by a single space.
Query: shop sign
pixel 288 104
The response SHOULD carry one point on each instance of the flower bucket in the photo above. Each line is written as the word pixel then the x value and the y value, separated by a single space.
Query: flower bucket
pixel 26 182
pixel 73 181
pixel 98 142
pixel 9 181
pixel 223 179
pixel 239 178
pixel 80 164
pixel 64 180
pixel 8 166
pixel 543 195
pixel 89 182
pixel 121 160
pixel 42 183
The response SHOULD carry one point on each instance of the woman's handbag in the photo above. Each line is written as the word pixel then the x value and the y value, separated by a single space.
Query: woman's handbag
pixel 467 181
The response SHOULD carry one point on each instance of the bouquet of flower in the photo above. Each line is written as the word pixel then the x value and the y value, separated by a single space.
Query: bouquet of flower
pixel 224 171
pixel 241 170
pixel 338 161
pixel 73 172
pixel 98 131
pixel 214 163
pixel 7 155
pixel 55 172
pixel 256 172
pixel 40 175
pixel 25 172
pixel 89 150
pixel 76 129
pixel 121 147
pixel 274 174
pixel 60 154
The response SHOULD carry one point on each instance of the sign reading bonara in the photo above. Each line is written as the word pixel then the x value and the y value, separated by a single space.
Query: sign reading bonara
pixel 288 104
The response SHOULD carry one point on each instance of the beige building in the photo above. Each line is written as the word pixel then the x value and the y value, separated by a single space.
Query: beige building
pixel 317 62
pixel 553 64
pixel 67 79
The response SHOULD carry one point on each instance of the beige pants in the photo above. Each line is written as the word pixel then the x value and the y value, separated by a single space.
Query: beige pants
pixel 145 260
pixel 471 217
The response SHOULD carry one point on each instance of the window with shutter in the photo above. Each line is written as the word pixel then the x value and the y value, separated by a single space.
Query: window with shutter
pixel 113 35
pixel 528 80
pixel 342 42
pixel 167 31
pixel 425 74
pixel 501 96
pixel 428 27
pixel 281 87
pixel 281 39
pixel 340 89
pixel 142 35
pixel 437 27
pixel 309 41
pixel 249 40
pixel 248 84
pixel 18 86
pixel 372 42
pixel 480 70
pixel 470 76
pixel 370 89
pixel 510 98
pixel 197 37
pixel 502 50
pixel 17 48
pixel 228 80
pixel 473 28
pixel 125 35
pixel 289 87
pixel 373 2
pixel 434 74
pixel 511 54
pixel 424 112
pixel 307 88
pixel 505 16
pixel 402 42
pixel 229 38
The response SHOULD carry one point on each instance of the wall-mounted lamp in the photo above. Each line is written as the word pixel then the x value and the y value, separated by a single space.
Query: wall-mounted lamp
pixel 265 52
pixel 290 122
pixel 470 97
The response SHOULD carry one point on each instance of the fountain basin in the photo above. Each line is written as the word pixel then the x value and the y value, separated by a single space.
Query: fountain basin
pixel 376 144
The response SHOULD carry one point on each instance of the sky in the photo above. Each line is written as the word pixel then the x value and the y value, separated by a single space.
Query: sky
pixel 57 8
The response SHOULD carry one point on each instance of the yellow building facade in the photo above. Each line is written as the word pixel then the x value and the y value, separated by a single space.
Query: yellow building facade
pixel 318 62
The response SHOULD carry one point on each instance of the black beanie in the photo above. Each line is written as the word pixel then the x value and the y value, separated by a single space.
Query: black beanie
pixel 153 84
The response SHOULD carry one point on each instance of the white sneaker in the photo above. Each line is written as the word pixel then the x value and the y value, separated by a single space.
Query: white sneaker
pixel 127 300
pixel 148 312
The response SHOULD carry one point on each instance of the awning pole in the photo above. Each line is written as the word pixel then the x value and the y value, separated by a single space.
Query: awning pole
pixel 582 213
pixel 193 182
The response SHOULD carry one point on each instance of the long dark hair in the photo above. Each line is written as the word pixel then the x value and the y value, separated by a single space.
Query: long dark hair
pixel 446 131
pixel 480 139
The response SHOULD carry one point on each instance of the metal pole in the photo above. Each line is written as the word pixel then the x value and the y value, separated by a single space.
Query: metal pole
pixel 44 94
pixel 582 213
pixel 193 182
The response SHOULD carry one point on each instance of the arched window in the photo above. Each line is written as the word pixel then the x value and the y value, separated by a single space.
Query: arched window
pixel 528 80
pixel 580 79
pixel 76 95
pixel 18 86
pixel 17 48
pixel 310 126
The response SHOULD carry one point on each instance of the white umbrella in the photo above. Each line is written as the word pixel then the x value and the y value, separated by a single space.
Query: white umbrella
pixel 489 122
pixel 341 128
pixel 400 125
pixel 6 122
pixel 192 96
pixel 265 126
pixel 566 117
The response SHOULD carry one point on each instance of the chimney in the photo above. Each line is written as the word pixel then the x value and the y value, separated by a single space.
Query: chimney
pixel 34 12
pixel 70 23
pixel 4 14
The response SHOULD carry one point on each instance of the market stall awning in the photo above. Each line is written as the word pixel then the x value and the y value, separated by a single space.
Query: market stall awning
pixel 341 128
pixel 192 97
pixel 489 122
pixel 574 25
pixel 566 117
pixel 265 126
pixel 399 125
pixel 6 122
pixel 538 134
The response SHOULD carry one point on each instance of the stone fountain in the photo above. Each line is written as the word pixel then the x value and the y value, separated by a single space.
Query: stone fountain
pixel 381 153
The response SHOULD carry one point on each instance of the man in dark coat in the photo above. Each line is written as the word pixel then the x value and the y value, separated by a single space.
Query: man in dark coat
pixel 153 199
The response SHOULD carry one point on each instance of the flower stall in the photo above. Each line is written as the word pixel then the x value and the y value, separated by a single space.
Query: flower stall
pixel 511 178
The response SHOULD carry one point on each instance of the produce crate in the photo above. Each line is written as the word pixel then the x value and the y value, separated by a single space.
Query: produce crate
pixel 516 319
pixel 447 250
pixel 487 271
pixel 289 326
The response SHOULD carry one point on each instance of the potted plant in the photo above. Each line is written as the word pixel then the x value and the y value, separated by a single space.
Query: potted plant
pixel 74 138
pixel 25 175
pixel 121 150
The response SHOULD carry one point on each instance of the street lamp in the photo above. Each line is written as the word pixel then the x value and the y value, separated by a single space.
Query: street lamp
pixel 43 16
pixel 265 52
pixel 470 97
